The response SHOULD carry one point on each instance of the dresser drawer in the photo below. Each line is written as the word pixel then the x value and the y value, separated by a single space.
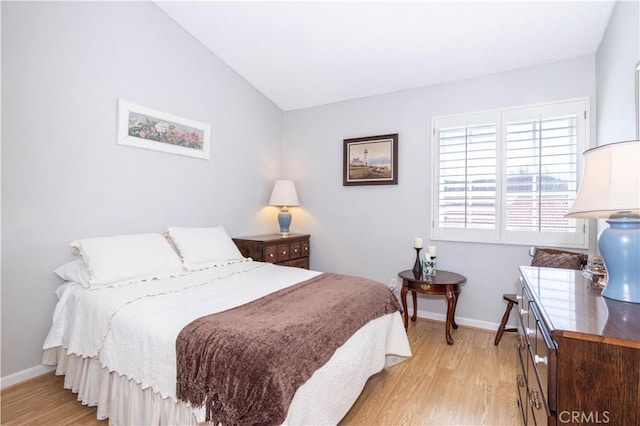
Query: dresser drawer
pixel 538 409
pixel 544 357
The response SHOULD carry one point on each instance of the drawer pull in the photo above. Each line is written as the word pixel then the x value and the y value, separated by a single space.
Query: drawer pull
pixel 284 252
pixel 520 343
pixel 520 380
pixel 518 297
pixel 534 401
pixel 530 332
pixel 540 359
pixel 270 254
pixel 523 312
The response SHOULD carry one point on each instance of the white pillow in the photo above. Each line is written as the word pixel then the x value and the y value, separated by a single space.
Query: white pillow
pixel 126 259
pixel 75 272
pixel 202 248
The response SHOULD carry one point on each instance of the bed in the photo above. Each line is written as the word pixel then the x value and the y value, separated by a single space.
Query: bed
pixel 128 300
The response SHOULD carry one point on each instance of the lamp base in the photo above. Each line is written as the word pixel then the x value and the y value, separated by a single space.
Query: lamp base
pixel 619 246
pixel 284 220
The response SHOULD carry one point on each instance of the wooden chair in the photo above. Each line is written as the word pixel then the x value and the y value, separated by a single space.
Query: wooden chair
pixel 548 258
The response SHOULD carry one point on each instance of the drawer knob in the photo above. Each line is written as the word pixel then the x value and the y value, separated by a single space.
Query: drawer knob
pixel 523 312
pixel 284 252
pixel 270 254
pixel 530 332
pixel 520 343
pixel 540 359
pixel 520 380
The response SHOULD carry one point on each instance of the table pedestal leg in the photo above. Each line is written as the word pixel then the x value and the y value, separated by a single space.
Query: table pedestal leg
pixel 415 306
pixel 453 316
pixel 451 303
pixel 403 297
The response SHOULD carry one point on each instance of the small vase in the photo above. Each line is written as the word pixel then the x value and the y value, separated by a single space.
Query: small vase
pixel 417 267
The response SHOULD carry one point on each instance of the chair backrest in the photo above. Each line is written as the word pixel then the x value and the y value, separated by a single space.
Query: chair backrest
pixel 555 258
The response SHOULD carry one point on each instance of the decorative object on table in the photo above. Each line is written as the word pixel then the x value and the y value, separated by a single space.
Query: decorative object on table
pixel 429 263
pixel 429 267
pixel 417 266
pixel 595 271
pixel 284 195
pixel 610 190
pixel 147 128
pixel 372 160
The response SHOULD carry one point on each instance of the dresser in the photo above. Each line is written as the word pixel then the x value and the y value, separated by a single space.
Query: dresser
pixel 578 352
pixel 292 250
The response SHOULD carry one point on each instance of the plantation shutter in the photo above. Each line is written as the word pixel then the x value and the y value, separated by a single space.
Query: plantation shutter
pixel 467 176
pixel 541 172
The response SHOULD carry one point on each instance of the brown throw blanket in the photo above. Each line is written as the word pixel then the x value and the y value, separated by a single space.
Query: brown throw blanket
pixel 246 363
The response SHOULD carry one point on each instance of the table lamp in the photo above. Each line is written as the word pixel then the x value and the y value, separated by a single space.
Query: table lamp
pixel 610 190
pixel 284 195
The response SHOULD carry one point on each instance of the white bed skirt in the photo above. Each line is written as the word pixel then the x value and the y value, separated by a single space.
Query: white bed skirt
pixel 121 400
pixel 324 399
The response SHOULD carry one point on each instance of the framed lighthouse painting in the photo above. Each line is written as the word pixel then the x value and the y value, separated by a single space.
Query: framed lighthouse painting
pixel 371 160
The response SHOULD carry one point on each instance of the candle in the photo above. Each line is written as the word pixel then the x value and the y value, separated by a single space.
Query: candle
pixel 432 251
pixel 417 242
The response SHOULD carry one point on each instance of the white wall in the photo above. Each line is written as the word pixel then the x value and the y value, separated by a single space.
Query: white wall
pixel 369 230
pixel 616 60
pixel 64 65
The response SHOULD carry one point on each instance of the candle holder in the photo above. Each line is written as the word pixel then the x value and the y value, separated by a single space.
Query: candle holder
pixel 417 267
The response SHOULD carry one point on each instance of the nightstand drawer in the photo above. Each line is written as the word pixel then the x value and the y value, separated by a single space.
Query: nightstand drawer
pixel 270 254
pixel 302 262
pixel 283 252
pixel 295 250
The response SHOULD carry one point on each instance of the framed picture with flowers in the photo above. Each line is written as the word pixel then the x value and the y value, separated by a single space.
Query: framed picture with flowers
pixel 147 128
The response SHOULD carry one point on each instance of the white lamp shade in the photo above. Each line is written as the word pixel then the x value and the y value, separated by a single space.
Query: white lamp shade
pixel 284 194
pixel 610 182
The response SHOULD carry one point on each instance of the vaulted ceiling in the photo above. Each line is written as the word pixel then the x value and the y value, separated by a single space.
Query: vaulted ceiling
pixel 307 53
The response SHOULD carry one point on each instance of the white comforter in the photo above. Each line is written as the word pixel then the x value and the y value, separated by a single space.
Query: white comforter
pixel 132 329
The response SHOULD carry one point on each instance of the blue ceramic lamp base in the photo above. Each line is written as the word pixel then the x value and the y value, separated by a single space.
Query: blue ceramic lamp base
pixel 284 219
pixel 619 246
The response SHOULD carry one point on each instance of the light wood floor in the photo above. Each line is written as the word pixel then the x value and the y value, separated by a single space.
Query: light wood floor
pixel 471 382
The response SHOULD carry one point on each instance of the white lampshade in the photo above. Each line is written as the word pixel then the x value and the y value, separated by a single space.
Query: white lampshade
pixel 284 194
pixel 610 182
pixel 610 190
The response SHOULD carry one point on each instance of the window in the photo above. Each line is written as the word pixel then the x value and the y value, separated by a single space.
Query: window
pixel 510 176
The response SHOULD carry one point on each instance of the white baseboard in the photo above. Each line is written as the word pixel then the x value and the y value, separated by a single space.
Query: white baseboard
pixel 23 375
pixel 469 322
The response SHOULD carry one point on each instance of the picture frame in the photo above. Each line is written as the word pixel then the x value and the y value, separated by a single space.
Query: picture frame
pixel 147 128
pixel 370 160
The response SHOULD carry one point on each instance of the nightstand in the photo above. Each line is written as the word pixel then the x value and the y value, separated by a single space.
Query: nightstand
pixel 292 250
